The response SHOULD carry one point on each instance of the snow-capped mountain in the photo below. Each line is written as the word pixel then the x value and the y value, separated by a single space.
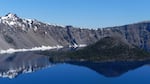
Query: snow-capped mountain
pixel 21 33
pixel 18 33
pixel 13 20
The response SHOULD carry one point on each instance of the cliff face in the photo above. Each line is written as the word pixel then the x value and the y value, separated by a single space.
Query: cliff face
pixel 47 36
pixel 19 33
pixel 24 33
pixel 136 34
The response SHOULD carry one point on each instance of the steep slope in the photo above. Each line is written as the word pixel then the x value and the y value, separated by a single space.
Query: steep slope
pixel 137 34
pixel 17 33
pixel 25 33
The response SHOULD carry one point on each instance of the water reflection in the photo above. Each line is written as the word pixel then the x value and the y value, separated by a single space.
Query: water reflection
pixel 112 69
pixel 12 65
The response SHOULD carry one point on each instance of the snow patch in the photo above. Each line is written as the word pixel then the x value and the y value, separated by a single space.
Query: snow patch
pixel 82 45
pixel 0 20
pixel 76 46
pixel 3 18
pixel 12 23
pixel 42 48
pixel 35 28
pixel 10 16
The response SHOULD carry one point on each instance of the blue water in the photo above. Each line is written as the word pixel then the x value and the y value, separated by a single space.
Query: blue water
pixel 45 72
pixel 59 74
pixel 72 74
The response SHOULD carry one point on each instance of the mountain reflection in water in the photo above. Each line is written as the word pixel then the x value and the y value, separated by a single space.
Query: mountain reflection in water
pixel 112 69
pixel 12 65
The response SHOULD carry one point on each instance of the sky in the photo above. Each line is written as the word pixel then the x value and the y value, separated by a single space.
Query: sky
pixel 80 13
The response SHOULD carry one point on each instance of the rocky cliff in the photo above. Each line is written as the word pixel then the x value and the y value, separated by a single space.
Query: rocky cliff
pixel 136 34
pixel 19 33
pixel 25 33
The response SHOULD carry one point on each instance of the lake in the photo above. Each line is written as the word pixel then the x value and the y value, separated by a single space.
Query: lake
pixel 35 68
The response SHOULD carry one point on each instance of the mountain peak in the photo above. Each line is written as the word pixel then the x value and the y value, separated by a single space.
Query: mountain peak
pixel 11 15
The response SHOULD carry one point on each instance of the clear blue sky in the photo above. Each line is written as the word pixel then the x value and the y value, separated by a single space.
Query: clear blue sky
pixel 80 13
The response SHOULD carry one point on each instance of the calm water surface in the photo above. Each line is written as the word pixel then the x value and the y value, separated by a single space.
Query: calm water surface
pixel 34 68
